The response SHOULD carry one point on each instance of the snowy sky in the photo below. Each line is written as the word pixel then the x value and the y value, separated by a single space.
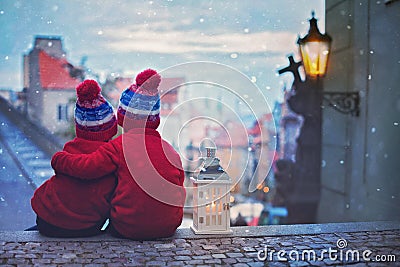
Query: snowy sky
pixel 125 37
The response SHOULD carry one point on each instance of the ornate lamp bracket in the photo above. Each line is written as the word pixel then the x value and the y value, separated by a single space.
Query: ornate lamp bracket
pixel 346 103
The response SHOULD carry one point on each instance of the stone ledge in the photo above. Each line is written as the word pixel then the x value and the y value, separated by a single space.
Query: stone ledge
pixel 301 245
pixel 245 231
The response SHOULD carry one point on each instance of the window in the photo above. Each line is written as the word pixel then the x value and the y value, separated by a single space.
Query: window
pixel 63 112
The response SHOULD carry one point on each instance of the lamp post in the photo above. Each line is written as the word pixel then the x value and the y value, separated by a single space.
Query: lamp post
pixel 307 100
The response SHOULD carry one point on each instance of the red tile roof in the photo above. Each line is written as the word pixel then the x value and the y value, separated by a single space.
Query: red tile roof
pixel 168 83
pixel 169 89
pixel 54 73
pixel 122 83
pixel 261 127
pixel 232 134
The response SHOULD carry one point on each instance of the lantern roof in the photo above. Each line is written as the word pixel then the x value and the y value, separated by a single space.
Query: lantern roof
pixel 314 35
pixel 210 169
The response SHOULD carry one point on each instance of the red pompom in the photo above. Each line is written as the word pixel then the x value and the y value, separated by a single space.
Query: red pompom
pixel 148 80
pixel 88 90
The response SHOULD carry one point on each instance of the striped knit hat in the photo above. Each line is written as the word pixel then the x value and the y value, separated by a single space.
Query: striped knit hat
pixel 94 116
pixel 139 105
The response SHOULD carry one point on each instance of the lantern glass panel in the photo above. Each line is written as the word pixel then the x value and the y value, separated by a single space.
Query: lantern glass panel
pixel 315 57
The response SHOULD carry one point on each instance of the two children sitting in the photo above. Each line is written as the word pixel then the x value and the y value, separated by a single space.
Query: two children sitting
pixel 135 180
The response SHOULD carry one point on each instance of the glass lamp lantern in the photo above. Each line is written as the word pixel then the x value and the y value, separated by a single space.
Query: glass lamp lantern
pixel 314 50
pixel 211 195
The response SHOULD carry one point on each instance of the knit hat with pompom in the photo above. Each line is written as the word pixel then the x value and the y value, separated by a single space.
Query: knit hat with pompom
pixel 139 105
pixel 94 116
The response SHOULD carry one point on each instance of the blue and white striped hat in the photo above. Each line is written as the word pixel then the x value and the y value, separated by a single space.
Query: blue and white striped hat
pixel 139 105
pixel 94 116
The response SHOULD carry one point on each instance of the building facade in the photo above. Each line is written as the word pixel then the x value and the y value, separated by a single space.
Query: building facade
pixel 49 84
pixel 360 170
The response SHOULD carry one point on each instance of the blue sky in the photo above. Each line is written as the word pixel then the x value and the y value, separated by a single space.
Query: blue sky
pixel 124 37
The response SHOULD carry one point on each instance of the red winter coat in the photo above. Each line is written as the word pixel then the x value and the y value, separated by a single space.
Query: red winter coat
pixel 72 203
pixel 149 198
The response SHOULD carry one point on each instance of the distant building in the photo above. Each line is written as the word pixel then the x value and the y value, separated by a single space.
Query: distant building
pixel 289 128
pixel 169 87
pixel 171 118
pixel 113 88
pixel 7 93
pixel 49 84
pixel 15 98
pixel 263 143
pixel 232 149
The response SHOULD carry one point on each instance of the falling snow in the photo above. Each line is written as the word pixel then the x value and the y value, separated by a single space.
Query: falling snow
pixel 241 24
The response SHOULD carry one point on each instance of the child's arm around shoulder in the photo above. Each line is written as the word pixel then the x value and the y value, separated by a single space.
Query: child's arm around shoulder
pixel 103 161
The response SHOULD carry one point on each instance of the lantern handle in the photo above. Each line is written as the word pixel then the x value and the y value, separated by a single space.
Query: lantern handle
pixel 226 206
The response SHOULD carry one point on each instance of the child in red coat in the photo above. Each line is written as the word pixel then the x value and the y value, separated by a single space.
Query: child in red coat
pixel 69 207
pixel 149 198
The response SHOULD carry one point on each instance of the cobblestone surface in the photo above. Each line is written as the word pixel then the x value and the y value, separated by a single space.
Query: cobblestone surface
pixel 324 249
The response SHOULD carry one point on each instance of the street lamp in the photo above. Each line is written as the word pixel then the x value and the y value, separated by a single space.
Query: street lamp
pixel 307 100
pixel 314 50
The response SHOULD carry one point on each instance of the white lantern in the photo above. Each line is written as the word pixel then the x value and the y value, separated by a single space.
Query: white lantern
pixel 211 196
